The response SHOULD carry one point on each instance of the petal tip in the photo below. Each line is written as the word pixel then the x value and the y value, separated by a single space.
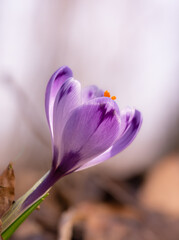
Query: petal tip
pixel 64 71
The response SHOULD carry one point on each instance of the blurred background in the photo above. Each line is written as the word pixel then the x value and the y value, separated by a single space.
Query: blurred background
pixel 127 47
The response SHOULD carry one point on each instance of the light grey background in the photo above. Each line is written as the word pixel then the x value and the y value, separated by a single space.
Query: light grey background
pixel 127 47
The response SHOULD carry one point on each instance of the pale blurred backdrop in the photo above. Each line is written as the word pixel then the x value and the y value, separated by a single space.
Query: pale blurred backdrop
pixel 130 48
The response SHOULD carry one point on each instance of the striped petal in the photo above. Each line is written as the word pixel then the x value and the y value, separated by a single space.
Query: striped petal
pixel 91 129
pixel 131 121
pixel 67 99
pixel 53 86
pixel 91 92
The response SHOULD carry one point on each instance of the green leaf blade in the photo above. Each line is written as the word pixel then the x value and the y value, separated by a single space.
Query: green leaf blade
pixel 11 229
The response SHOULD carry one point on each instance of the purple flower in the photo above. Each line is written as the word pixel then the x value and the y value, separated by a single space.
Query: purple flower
pixel 86 127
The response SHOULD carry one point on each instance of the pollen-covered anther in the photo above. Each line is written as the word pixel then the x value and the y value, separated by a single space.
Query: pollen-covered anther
pixel 113 97
pixel 107 94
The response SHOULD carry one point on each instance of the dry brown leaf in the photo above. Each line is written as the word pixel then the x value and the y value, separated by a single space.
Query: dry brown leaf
pixel 0 226
pixel 7 192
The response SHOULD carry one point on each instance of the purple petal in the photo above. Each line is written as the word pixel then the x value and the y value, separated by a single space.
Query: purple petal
pixel 53 86
pixel 67 99
pixel 131 123
pixel 91 92
pixel 91 129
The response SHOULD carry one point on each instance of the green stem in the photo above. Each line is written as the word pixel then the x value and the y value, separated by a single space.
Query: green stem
pixel 16 211
pixel 11 229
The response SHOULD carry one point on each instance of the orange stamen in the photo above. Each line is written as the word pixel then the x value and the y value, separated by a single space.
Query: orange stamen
pixel 107 94
pixel 113 97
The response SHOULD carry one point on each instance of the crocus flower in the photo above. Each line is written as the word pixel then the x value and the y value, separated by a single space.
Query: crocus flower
pixel 86 127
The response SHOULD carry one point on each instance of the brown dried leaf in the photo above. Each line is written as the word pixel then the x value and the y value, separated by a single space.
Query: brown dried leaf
pixel 7 192
pixel 0 226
